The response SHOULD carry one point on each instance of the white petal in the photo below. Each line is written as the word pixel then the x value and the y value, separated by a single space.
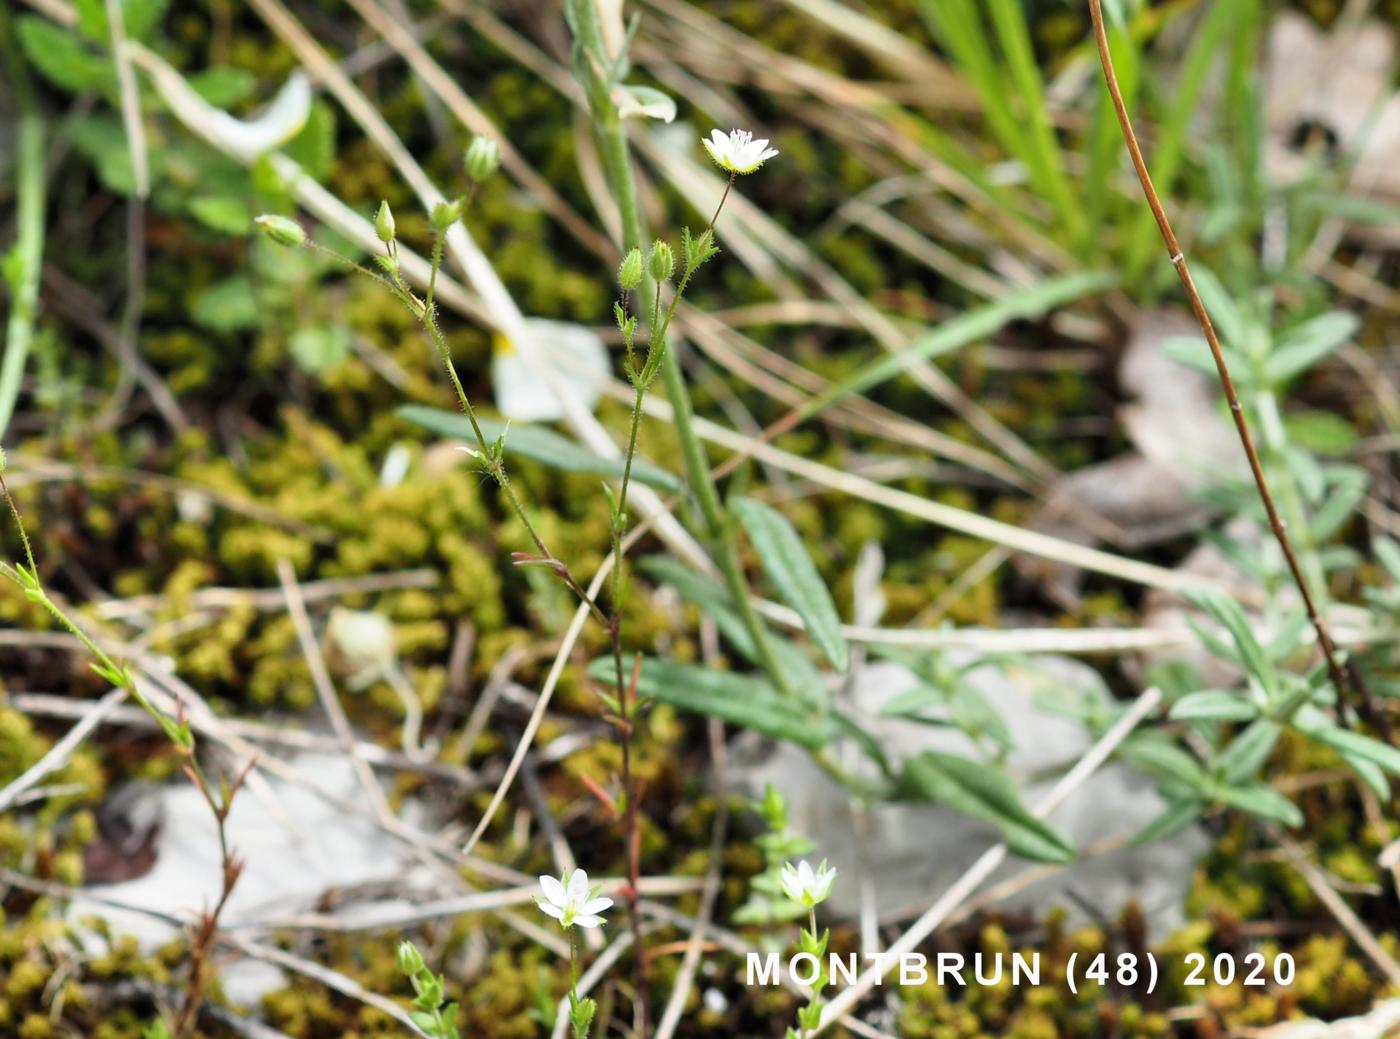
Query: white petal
pixel 573 353
pixel 553 890
pixel 588 921
pixel 578 887
pixel 551 910
pixel 595 905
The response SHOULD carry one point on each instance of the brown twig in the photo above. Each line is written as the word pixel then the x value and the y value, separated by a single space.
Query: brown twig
pixel 205 934
pixel 1345 679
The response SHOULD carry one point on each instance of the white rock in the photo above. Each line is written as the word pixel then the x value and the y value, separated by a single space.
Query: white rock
pixel 295 849
pixel 914 852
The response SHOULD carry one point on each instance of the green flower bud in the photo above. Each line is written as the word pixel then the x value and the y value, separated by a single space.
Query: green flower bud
pixel 629 272
pixel 410 960
pixel 384 223
pixel 482 158
pixel 662 261
pixel 281 230
pixel 445 214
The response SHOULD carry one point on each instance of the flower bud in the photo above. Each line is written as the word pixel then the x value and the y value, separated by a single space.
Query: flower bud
pixel 629 272
pixel 410 960
pixel 281 230
pixel 445 214
pixel 662 262
pixel 482 158
pixel 384 223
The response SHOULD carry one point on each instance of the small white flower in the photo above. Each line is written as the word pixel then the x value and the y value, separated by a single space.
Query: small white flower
pixel 806 886
pixel 737 151
pixel 571 900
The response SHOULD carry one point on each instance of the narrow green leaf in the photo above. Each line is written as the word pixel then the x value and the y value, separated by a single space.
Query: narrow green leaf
pixel 62 56
pixel 1369 773
pixel 785 560
pixel 539 444
pixel 1265 802
pixel 1312 722
pixel 1308 344
pixel 1214 705
pixel 1163 759
pixel 1232 618
pixel 1248 751
pixel 985 792
pixel 1173 819
pixel 741 700
pixel 967 328
pixel 713 600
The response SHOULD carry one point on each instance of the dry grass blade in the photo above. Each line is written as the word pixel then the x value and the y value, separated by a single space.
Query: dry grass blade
pixel 1362 935
pixel 57 755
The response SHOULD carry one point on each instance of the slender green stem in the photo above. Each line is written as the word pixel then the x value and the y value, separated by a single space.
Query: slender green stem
pixel 618 166
pixel 29 243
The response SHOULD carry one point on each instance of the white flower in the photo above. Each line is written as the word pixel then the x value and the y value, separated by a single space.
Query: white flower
pixel 737 151
pixel 571 901
pixel 806 886
pixel 575 353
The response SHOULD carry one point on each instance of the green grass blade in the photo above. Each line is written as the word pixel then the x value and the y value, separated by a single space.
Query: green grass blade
pixel 1168 155
pixel 1040 144
pixel 539 444
pixel 964 329
pixel 23 265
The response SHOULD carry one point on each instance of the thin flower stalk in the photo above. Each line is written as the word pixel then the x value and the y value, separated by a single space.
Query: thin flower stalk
pixel 617 164
pixel 574 903
pixel 205 933
pixel 1346 678
pixel 489 454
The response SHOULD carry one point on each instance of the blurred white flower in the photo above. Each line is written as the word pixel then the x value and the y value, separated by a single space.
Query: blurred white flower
pixel 361 646
pixel 806 886
pixel 575 353
pixel 571 900
pixel 737 151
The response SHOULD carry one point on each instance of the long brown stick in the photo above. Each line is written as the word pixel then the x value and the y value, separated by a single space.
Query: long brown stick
pixel 1346 679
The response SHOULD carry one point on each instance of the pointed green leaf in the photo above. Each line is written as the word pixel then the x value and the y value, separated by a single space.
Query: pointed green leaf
pixel 785 560
pixel 1232 618
pixel 1312 722
pixel 1265 802
pixel 984 791
pixel 741 700
pixel 1248 751
pixel 1308 344
pixel 1173 819
pixel 539 444
pixel 1214 705
pixel 713 600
